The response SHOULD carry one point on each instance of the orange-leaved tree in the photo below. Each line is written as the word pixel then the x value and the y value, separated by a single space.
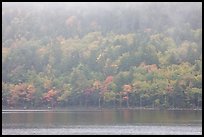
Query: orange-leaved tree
pixel 50 97
pixel 127 89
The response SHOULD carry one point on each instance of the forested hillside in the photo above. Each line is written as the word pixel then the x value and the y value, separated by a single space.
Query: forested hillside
pixel 101 55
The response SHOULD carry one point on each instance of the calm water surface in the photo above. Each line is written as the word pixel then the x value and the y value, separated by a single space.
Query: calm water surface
pixel 106 121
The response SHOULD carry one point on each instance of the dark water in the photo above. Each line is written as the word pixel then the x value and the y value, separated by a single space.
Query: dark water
pixel 105 121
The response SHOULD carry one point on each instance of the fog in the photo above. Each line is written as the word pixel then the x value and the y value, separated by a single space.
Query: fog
pixel 124 54
pixel 127 13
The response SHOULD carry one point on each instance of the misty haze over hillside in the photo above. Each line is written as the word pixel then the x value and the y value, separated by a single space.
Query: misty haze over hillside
pixel 102 54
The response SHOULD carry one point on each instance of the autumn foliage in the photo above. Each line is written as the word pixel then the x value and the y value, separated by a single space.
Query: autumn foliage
pixel 21 92
pixel 133 57
pixel 49 95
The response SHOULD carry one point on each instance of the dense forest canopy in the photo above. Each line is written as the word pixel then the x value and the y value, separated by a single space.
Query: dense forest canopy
pixel 102 54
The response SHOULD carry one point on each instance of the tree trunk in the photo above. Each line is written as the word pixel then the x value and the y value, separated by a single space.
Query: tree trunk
pixel 120 101
pixel 127 100
pixel 140 101
pixel 99 102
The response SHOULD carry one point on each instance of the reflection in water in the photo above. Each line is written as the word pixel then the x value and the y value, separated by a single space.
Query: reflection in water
pixel 30 118
pixel 48 118
pixel 104 117
pixel 126 116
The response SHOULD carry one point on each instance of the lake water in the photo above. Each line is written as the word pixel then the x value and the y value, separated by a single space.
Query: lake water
pixel 106 121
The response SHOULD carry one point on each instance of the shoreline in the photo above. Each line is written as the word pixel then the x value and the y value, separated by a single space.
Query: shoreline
pixel 90 109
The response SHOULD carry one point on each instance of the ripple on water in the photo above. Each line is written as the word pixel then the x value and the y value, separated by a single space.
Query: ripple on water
pixel 108 130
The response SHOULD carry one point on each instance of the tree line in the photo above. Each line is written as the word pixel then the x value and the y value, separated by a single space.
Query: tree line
pixel 60 58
